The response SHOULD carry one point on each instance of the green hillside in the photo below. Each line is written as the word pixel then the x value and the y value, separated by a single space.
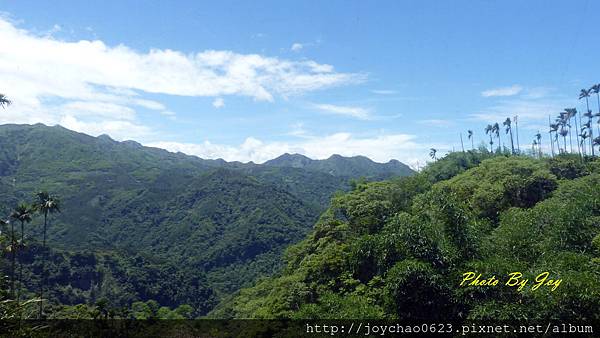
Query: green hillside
pixel 226 223
pixel 399 249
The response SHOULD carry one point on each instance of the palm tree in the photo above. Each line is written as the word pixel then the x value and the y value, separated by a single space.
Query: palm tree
pixel 12 247
pixel 45 204
pixel 533 144
pixel 496 130
pixel 588 125
pixel 4 101
pixel 516 119
pixel 585 94
pixel 565 118
pixel 563 132
pixel 596 89
pixel 584 135
pixel 489 129
pixel 553 129
pixel 470 136
pixel 432 154
pixel 22 213
pixel 598 122
pixel 538 138
pixel 572 113
pixel 507 123
pixel 577 130
pixel 562 123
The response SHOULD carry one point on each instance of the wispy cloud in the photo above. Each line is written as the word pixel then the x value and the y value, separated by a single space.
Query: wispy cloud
pixel 297 47
pixel 536 92
pixel 218 103
pixel 169 114
pixel 503 91
pixel 356 112
pixel 297 130
pixel 527 110
pixel 384 91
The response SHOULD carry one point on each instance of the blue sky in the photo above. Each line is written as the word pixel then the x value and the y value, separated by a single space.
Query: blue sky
pixel 251 80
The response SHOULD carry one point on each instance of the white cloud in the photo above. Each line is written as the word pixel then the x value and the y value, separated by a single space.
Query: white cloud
pixel 297 47
pixel 384 91
pixel 169 114
pixel 356 112
pixel 298 130
pixel 503 91
pixel 97 109
pixel 120 130
pixel 148 104
pixel 537 92
pixel 531 111
pixel 379 148
pixel 218 103
pixel 51 80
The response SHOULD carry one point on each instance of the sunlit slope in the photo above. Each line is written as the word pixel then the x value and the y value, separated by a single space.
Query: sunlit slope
pixel 399 249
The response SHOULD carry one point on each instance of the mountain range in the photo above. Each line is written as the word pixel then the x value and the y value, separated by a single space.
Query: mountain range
pixel 226 222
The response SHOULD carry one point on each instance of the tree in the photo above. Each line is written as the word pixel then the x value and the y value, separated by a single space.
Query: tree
pixel 4 101
pixel 12 248
pixel 596 89
pixel 564 132
pixel 561 120
pixel 553 129
pixel 565 119
pixel 584 135
pixel 45 205
pixel 597 141
pixel 585 93
pixel 516 119
pixel 538 138
pixel 470 136
pixel 432 154
pixel 507 123
pixel 22 213
pixel 496 130
pixel 489 129
pixel 588 125
pixel 572 113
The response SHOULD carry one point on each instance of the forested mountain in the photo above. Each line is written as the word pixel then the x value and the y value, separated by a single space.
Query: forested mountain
pixel 399 249
pixel 357 166
pixel 223 223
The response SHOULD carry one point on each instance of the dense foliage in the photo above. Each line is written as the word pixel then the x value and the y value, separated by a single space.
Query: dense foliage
pixel 399 249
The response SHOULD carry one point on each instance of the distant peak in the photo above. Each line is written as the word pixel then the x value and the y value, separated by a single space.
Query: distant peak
pixel 340 157
pixel 105 137
pixel 290 160
pixel 295 155
pixel 133 144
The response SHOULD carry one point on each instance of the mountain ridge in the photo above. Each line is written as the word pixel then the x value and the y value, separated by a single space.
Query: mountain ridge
pixel 338 165
pixel 330 165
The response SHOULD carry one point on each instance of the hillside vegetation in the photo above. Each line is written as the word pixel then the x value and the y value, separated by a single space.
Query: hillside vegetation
pixel 213 226
pixel 398 249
